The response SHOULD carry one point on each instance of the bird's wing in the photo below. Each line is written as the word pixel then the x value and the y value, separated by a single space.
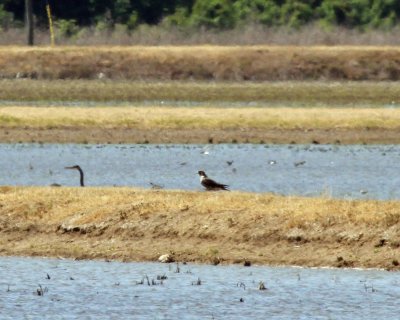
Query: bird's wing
pixel 211 184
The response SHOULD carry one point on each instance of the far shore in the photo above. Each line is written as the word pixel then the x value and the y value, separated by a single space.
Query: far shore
pixel 129 224
pixel 98 135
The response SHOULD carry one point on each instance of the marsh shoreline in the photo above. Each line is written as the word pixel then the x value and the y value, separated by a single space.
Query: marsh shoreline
pixel 101 135
pixel 130 224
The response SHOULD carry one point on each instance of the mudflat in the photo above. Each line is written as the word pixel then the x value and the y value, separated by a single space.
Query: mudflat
pixel 132 224
pixel 240 135
pixel 211 124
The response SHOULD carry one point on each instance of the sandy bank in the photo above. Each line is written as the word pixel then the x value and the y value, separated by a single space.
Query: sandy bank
pixel 210 227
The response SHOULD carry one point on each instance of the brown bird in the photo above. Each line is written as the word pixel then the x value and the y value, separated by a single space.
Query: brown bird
pixel 80 172
pixel 210 184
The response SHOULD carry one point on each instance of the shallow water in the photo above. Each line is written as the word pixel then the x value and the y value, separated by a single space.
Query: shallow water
pixel 310 170
pixel 112 290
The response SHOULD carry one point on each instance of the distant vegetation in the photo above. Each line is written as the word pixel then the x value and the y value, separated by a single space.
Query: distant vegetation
pixel 220 14
pixel 241 22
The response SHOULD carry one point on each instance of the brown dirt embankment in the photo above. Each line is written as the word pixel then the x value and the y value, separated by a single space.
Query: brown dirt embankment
pixel 256 63
pixel 209 227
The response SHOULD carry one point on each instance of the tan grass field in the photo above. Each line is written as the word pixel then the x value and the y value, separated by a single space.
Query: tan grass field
pixel 154 124
pixel 245 93
pixel 154 117
pixel 233 63
pixel 208 227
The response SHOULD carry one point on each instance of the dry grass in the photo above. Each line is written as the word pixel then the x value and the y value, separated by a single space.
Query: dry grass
pixel 233 63
pixel 199 117
pixel 135 224
pixel 93 205
pixel 287 93
pixel 250 34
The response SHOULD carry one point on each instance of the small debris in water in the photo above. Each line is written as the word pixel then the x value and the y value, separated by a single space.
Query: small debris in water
pixel 247 263
pixel 48 276
pixel 299 163
pixel 196 283
pixel 271 162
pixel 241 285
pixel 261 286
pixel 229 162
pixel 241 300
pixel 41 291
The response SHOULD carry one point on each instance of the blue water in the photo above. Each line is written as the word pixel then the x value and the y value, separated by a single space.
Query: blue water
pixel 310 170
pixel 113 290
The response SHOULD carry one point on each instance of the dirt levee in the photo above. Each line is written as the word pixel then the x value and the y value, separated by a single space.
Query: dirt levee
pixel 210 227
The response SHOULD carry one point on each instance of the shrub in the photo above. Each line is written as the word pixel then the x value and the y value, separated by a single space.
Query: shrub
pixel 296 13
pixel 67 28
pixel 219 14
pixel 263 11
pixel 6 18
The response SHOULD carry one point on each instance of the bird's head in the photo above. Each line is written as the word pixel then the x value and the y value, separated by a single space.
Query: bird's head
pixel 202 174
pixel 74 167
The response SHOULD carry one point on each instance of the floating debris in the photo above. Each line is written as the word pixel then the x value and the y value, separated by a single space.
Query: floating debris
pixel 241 285
pixel 196 283
pixel 299 163
pixel 261 286
pixel 41 291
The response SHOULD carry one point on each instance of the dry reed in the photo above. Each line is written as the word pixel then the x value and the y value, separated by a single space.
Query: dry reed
pixel 233 63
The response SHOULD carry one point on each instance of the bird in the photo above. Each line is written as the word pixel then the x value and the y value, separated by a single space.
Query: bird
pixel 155 186
pixel 80 172
pixel 299 163
pixel 210 184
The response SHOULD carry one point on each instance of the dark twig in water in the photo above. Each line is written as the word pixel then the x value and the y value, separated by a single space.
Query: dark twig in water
pixel 196 283
pixel 48 276
pixel 241 285
pixel 41 291
pixel 162 277
pixel 152 282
